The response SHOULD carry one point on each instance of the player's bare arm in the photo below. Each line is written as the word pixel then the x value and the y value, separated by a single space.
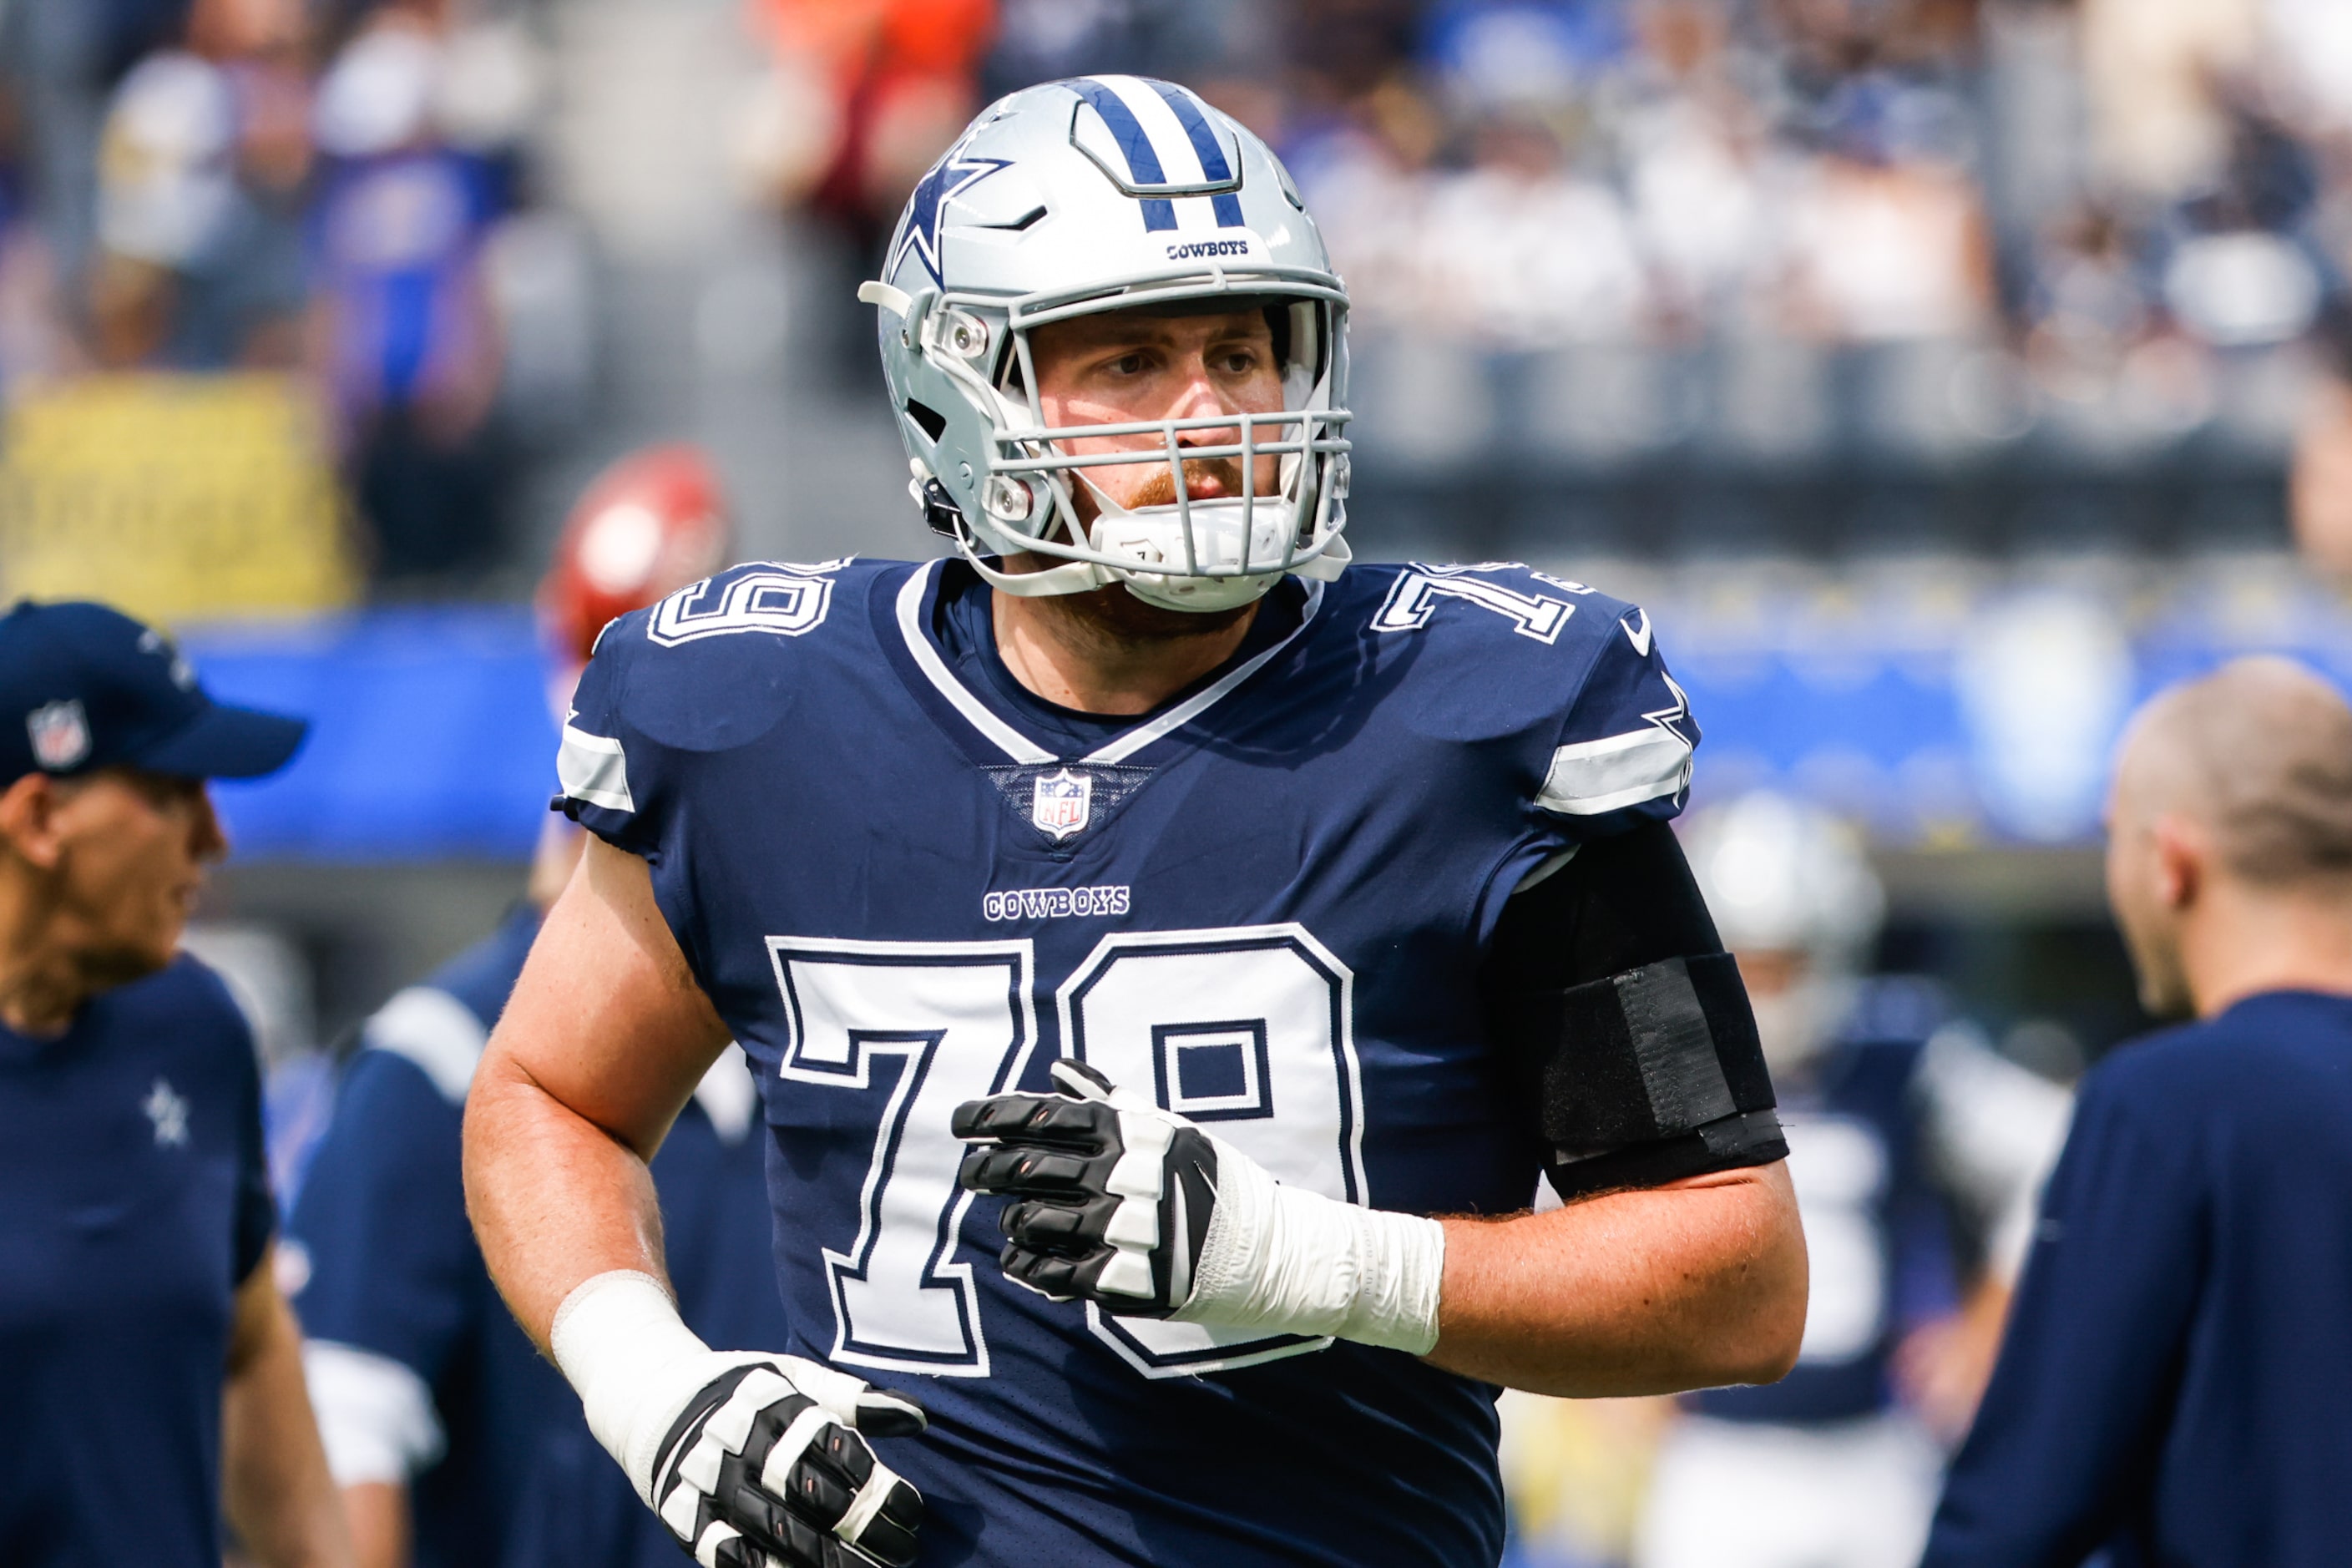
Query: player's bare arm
pixel 599 1045
pixel 605 1036
pixel 1692 1285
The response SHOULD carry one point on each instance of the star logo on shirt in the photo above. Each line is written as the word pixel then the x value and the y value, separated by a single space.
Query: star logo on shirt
pixel 950 177
pixel 168 1109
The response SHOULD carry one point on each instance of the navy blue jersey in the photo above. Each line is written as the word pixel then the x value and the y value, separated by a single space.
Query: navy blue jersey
pixel 137 1202
pixel 1876 1234
pixel 393 1271
pixel 906 882
pixel 2177 1369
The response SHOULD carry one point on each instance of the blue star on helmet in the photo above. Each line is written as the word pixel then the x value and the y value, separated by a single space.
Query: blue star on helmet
pixel 950 177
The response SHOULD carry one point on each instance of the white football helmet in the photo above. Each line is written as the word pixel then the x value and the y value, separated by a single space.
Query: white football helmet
pixel 1104 193
pixel 1783 878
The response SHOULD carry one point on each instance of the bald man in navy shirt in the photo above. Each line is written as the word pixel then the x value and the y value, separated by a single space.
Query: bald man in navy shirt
pixel 2176 1386
pixel 151 1375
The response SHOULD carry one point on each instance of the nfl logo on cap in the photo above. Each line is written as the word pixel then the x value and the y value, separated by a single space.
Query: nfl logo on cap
pixel 60 734
pixel 1062 802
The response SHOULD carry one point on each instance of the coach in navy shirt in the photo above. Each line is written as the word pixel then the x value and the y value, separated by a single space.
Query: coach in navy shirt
pixel 2177 1383
pixel 149 1369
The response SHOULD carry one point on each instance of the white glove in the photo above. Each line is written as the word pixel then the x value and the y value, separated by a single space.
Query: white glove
pixel 1134 1208
pixel 753 1461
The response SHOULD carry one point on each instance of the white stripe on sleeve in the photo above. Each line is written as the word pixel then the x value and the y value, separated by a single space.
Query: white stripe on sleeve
pixel 1589 777
pixel 435 1031
pixel 376 1415
pixel 591 769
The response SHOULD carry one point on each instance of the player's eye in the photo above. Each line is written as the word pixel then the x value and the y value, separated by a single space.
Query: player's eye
pixel 1128 364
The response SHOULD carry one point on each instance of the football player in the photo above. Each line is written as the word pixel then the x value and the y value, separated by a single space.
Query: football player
pixel 1892 1141
pixel 453 1442
pixel 1169 954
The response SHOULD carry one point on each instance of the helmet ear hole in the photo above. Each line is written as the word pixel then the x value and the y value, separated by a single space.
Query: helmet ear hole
pixel 934 423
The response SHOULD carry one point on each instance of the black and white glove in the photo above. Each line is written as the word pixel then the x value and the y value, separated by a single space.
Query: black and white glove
pixel 1119 1203
pixel 1112 1199
pixel 753 1461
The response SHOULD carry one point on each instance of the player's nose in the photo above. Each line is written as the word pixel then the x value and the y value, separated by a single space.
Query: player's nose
pixel 1202 398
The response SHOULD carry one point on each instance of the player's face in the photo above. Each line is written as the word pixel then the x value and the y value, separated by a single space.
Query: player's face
pixel 132 852
pixel 1124 366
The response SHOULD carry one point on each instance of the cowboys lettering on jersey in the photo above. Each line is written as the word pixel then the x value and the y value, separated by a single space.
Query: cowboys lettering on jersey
pixel 1142 925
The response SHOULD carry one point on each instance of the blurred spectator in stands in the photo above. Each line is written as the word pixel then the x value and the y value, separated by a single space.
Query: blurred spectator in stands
pixel 1524 251
pixel 1341 52
pixel 2150 72
pixel 898 82
pixel 2237 269
pixel 2088 300
pixel 1886 234
pixel 1045 40
pixel 199 183
pixel 408 341
pixel 33 338
pixel 1703 190
pixel 63 59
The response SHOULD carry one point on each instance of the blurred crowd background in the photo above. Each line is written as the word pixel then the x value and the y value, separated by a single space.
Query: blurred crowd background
pixel 1941 375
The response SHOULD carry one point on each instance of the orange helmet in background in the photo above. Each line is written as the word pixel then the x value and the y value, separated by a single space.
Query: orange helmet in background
pixel 652 523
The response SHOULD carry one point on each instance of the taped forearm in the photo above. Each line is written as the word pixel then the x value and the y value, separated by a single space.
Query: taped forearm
pixel 634 1362
pixel 1284 1258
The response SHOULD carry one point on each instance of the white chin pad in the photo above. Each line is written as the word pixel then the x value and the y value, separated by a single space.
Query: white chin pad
pixel 1153 538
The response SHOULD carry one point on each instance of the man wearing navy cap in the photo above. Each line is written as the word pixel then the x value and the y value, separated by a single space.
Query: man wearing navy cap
pixel 149 1372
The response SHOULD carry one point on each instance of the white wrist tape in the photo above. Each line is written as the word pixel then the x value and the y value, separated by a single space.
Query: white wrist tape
pixel 634 1364
pixel 1296 1262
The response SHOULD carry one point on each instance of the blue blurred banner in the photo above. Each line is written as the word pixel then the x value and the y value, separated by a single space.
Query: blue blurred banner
pixel 1935 710
pixel 1931 708
pixel 430 738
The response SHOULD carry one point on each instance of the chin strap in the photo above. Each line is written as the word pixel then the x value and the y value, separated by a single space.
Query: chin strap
pixel 1075 577
pixel 1070 577
pixel 1326 567
pixel 1084 576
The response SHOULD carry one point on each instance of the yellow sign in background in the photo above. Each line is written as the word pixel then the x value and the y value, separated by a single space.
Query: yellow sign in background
pixel 175 498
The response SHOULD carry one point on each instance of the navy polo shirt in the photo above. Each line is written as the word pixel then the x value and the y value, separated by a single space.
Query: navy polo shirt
pixel 137 1199
pixel 2177 1382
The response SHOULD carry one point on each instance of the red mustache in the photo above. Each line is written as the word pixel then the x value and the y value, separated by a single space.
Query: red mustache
pixel 1204 478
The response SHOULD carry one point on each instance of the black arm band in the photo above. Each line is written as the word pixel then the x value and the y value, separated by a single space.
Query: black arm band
pixel 1623 1024
pixel 1645 1077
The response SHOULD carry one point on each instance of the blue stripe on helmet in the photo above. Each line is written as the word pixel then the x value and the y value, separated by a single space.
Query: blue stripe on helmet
pixel 1134 145
pixel 1227 205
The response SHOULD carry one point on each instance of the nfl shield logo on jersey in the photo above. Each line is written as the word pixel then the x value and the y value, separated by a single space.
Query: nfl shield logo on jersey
pixel 60 734
pixel 1062 803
